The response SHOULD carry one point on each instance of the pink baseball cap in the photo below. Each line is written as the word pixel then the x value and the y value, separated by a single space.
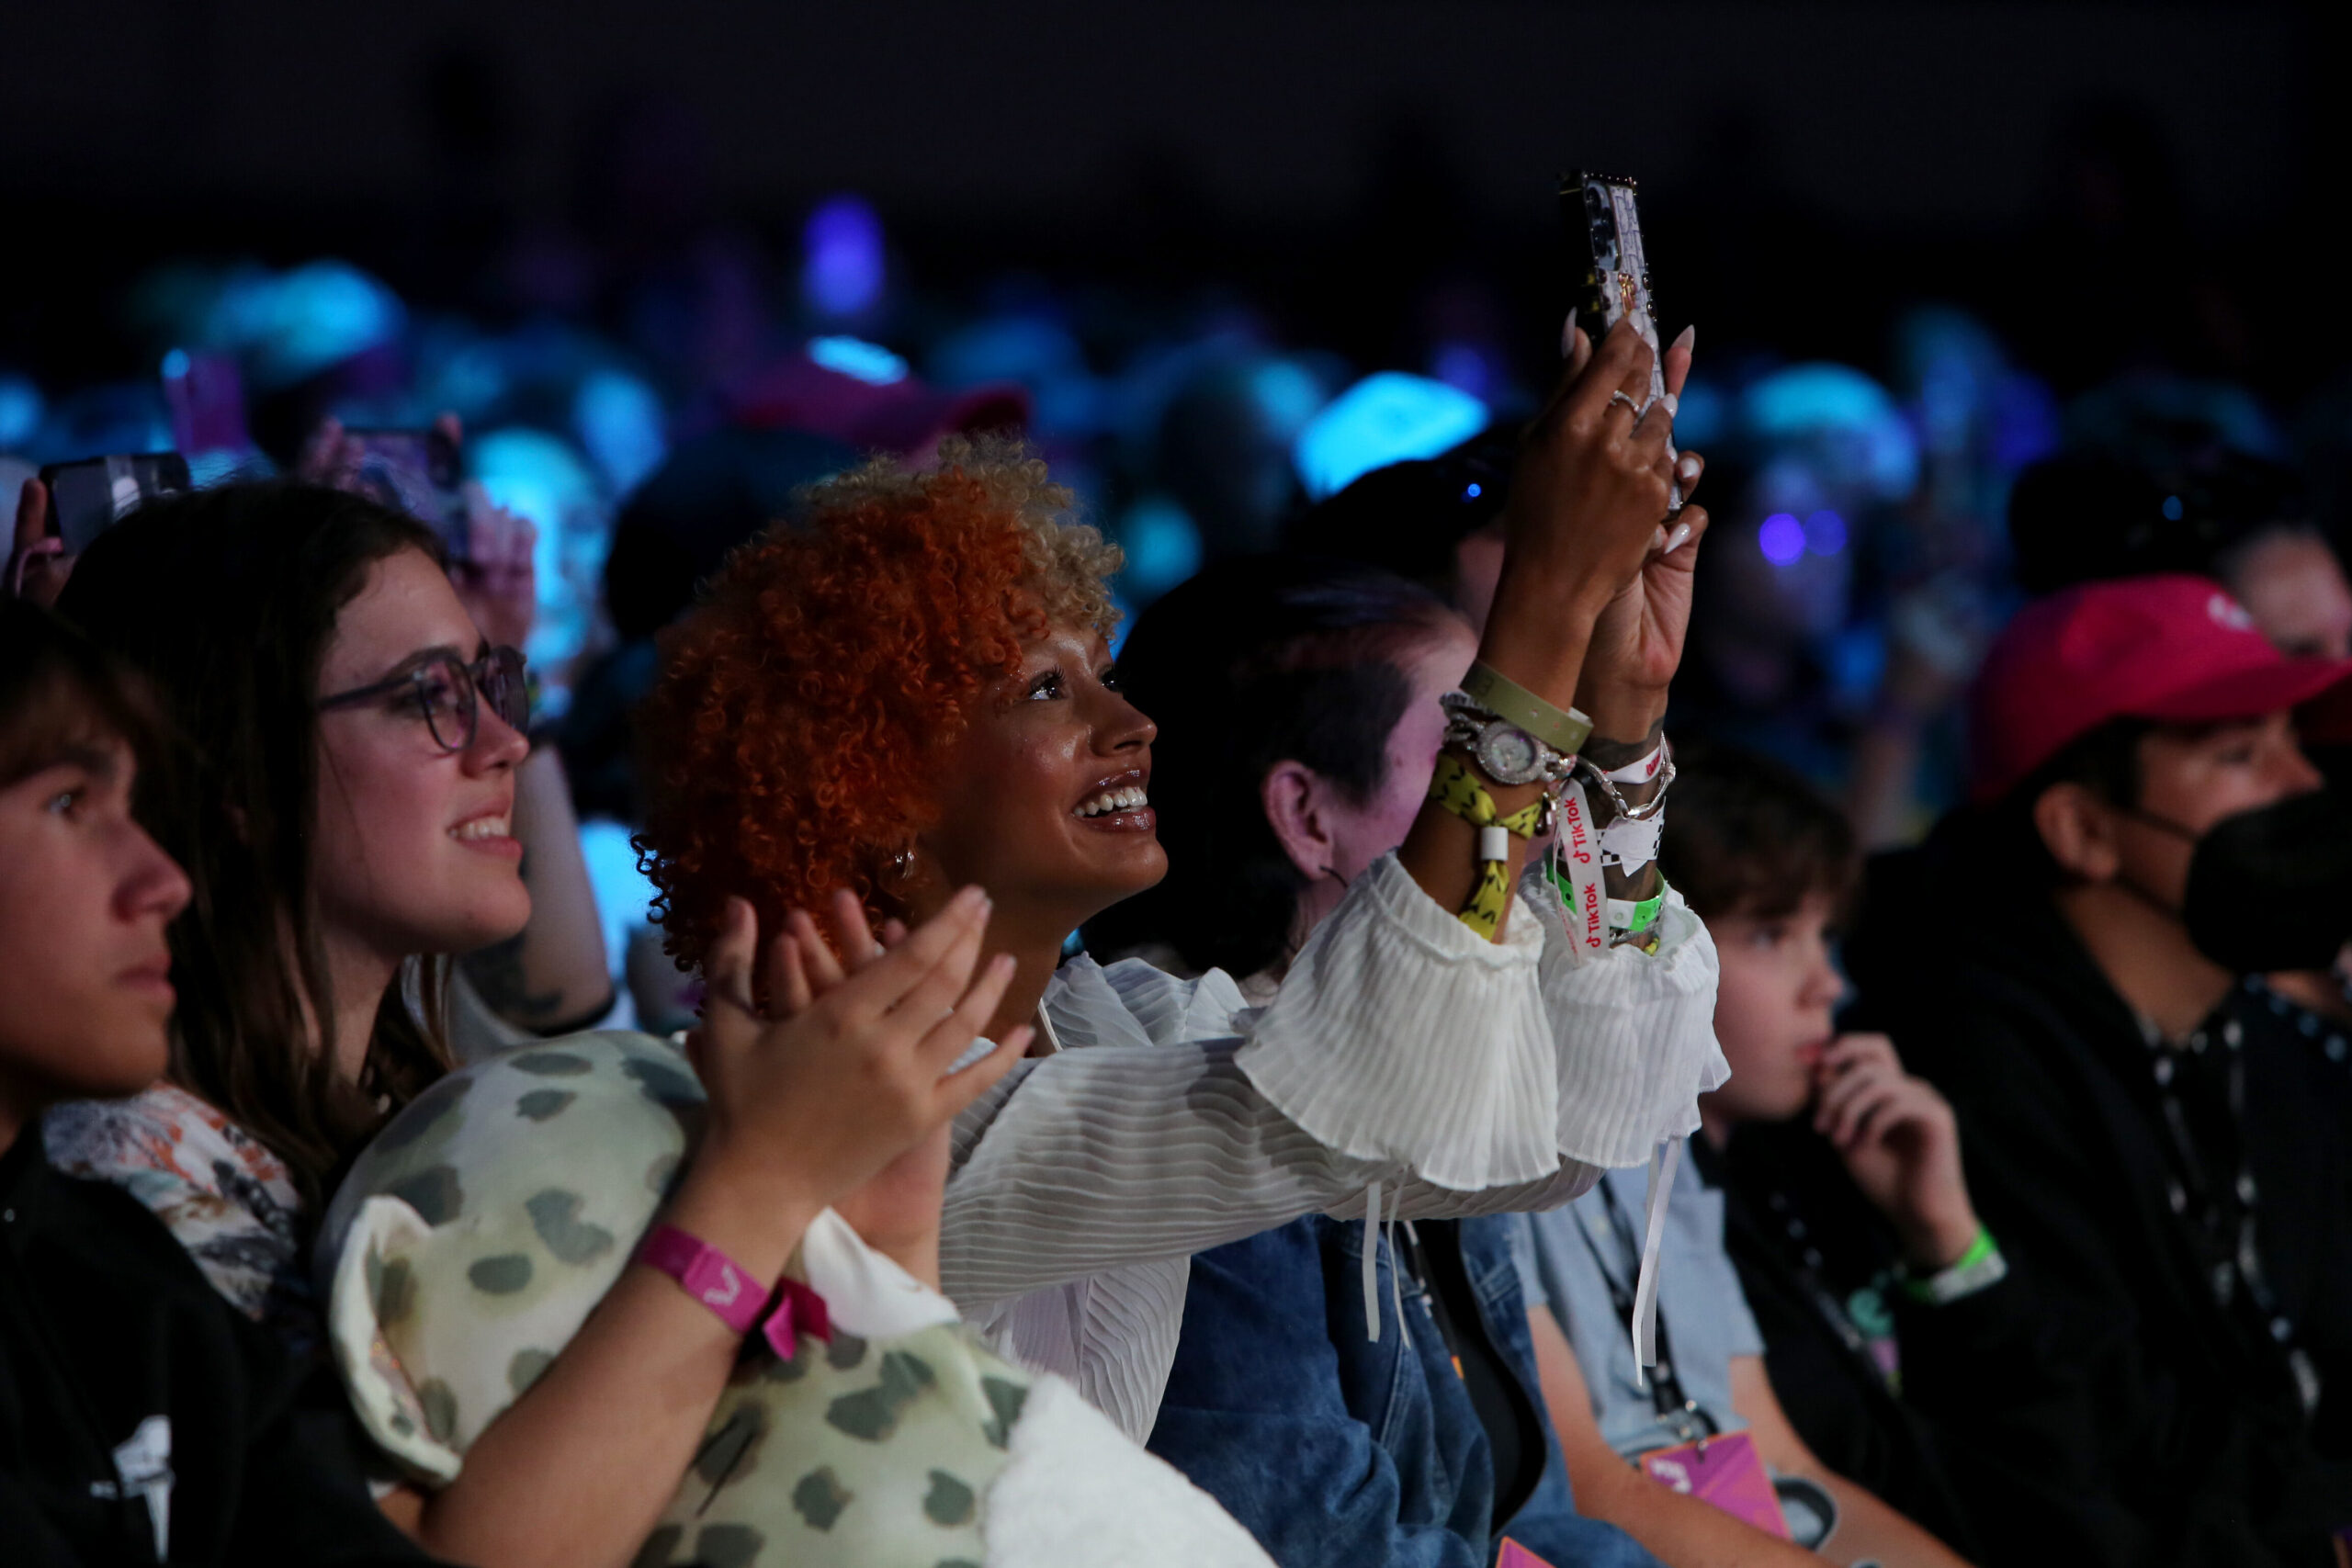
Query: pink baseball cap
pixel 2171 647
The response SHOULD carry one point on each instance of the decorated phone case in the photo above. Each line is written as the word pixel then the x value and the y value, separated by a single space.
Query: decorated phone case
pixel 1617 276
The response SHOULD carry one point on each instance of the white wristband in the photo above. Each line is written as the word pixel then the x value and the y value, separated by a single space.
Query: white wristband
pixel 1641 770
pixel 1632 840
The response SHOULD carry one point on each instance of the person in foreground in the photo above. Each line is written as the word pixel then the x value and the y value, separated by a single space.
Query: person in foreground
pixel 1298 706
pixel 909 689
pixel 2065 961
pixel 343 805
pixel 142 1419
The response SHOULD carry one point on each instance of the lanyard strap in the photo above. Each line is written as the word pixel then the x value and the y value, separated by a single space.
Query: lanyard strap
pixel 2223 1233
pixel 1665 1382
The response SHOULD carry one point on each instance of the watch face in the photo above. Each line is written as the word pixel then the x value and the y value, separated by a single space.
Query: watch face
pixel 1509 755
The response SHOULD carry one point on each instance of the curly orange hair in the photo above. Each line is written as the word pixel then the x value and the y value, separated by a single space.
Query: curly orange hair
pixel 795 741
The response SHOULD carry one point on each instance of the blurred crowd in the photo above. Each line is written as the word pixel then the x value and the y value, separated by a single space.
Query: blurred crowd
pixel 527 767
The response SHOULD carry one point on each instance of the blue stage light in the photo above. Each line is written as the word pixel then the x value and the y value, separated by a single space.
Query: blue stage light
pixel 21 410
pixel 2172 509
pixel 859 359
pixel 620 419
pixel 1389 417
pixel 1825 533
pixel 1162 545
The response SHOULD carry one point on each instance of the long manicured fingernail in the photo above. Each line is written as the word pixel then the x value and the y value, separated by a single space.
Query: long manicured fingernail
pixel 1568 337
pixel 971 897
pixel 1673 404
pixel 1679 538
pixel 1687 470
pixel 1685 338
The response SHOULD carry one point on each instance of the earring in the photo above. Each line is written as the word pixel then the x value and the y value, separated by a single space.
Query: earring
pixel 901 866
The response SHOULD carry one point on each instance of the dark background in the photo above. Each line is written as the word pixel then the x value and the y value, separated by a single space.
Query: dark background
pixel 2101 181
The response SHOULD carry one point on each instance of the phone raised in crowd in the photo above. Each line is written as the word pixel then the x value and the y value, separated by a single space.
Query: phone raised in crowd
pixel 92 494
pixel 1617 274
pixel 418 472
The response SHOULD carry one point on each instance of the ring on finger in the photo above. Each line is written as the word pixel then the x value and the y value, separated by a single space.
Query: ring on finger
pixel 1619 396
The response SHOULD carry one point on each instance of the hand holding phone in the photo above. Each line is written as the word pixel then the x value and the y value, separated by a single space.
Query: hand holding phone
pixel 1617 278
pixel 87 497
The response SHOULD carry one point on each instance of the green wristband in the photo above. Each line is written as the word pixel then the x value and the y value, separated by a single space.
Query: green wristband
pixel 1980 1268
pixel 1634 919
pixel 1562 731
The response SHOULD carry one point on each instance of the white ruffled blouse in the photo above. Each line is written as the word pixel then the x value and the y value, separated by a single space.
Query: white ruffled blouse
pixel 1404 1060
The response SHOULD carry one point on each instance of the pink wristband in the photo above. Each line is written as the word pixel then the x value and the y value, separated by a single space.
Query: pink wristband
pixel 720 1284
pixel 712 1278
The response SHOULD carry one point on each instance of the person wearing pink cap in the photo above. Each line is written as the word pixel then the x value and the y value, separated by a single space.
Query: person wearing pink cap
pixel 2073 961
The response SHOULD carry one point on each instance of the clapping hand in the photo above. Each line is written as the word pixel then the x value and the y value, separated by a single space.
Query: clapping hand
pixel 832 1075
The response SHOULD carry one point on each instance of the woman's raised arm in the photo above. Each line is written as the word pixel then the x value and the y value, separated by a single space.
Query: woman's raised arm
pixel 1589 507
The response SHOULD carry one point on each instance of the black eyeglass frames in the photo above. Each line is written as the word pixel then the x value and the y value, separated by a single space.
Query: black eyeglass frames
pixel 449 692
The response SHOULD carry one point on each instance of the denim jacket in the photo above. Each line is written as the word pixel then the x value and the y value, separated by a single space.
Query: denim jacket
pixel 1337 1449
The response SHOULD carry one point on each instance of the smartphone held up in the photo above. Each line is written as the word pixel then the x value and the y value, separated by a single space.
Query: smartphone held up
pixel 416 472
pixel 1616 286
pixel 89 496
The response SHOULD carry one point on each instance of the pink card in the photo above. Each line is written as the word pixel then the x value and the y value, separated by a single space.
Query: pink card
pixel 1724 1471
pixel 1514 1555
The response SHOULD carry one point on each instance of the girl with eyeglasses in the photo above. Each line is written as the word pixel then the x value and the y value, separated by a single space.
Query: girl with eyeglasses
pixel 341 791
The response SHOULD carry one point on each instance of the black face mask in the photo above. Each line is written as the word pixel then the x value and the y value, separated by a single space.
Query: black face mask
pixel 2270 889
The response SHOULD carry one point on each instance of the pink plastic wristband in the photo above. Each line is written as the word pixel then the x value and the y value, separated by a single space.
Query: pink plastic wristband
pixel 712 1278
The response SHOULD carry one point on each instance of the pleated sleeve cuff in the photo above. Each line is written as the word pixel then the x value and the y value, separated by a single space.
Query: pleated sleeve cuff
pixel 1636 1032
pixel 1401 1036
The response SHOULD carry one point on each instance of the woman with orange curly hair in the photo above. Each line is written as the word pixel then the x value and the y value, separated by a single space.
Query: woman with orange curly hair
pixel 908 689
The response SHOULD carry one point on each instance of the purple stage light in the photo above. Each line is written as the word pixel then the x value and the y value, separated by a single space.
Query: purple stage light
pixel 1825 533
pixel 842 262
pixel 1782 539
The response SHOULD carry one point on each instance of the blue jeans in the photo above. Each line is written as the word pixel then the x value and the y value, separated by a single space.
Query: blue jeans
pixel 1336 1450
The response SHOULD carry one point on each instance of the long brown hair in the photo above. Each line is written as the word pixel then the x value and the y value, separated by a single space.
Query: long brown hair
pixel 226 600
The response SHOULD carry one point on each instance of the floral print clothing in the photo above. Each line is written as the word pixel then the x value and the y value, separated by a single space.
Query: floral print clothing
pixel 216 1187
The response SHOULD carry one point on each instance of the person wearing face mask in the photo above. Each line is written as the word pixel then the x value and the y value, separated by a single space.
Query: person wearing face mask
pixel 2245 523
pixel 2066 961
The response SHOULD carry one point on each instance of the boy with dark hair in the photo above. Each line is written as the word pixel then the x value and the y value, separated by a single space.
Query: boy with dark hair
pixel 2072 964
pixel 142 1419
pixel 1894 1332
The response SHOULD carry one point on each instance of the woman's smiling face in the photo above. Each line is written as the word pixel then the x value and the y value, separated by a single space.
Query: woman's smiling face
pixel 1046 798
pixel 415 850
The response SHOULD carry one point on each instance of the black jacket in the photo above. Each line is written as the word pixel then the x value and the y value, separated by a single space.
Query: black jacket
pixel 2189 1443
pixel 107 1331
pixel 1972 1380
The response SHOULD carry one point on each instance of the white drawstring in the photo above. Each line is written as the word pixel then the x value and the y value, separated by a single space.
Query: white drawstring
pixel 1372 1262
pixel 1664 1159
pixel 1396 1266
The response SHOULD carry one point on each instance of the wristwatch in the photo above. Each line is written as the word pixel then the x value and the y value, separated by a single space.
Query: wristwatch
pixel 1504 752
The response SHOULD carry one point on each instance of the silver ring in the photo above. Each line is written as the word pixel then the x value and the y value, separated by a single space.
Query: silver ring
pixel 1619 397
